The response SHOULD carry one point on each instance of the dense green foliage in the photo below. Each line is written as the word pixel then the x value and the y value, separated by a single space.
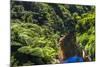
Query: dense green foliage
pixel 36 27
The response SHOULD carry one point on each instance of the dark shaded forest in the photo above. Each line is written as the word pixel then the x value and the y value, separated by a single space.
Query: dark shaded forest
pixel 36 28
